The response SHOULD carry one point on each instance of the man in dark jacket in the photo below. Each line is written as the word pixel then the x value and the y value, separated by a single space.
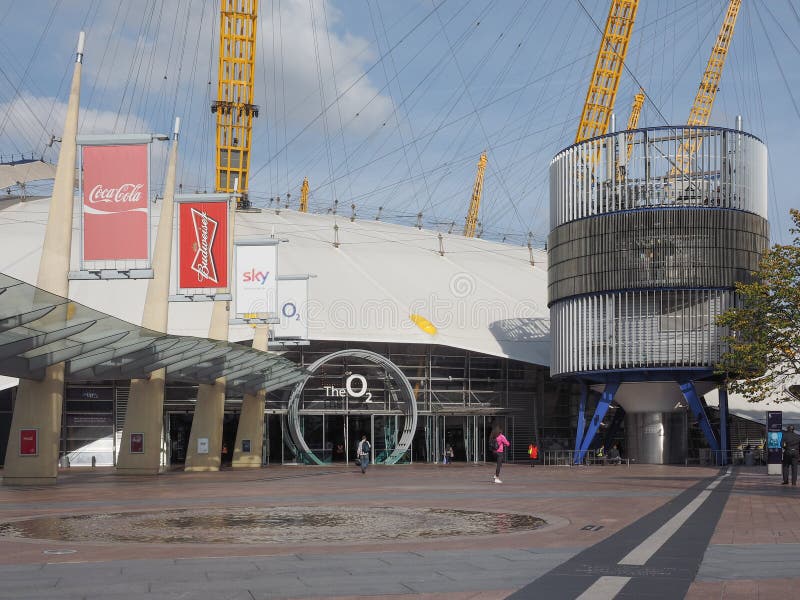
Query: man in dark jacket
pixel 791 450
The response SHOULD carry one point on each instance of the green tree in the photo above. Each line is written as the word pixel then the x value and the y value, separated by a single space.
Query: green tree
pixel 763 358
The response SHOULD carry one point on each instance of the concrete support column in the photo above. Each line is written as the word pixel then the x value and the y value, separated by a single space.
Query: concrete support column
pixel 205 439
pixel 251 419
pixel 146 401
pixel 39 403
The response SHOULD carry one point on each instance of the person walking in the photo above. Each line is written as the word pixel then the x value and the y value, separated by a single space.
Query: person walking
pixel 533 453
pixel 791 450
pixel 498 444
pixel 362 452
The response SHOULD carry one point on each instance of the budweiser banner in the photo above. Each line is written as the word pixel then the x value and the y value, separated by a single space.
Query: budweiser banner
pixel 256 279
pixel 116 205
pixel 203 244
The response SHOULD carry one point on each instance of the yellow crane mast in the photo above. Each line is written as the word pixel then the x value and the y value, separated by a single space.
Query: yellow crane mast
pixel 700 113
pixel 304 196
pixel 607 70
pixel 234 105
pixel 475 202
pixel 633 120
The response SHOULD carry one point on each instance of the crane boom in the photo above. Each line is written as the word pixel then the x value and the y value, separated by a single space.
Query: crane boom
pixel 700 113
pixel 607 70
pixel 304 196
pixel 475 202
pixel 234 105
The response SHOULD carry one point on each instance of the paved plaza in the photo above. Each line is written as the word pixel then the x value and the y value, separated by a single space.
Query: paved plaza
pixel 421 531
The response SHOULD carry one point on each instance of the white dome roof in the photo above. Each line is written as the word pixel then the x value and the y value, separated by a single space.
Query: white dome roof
pixel 480 295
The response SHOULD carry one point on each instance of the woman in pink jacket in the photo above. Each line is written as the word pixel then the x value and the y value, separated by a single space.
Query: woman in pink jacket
pixel 498 443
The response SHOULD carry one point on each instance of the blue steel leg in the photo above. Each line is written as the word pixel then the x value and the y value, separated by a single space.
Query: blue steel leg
pixel 687 387
pixel 599 413
pixel 723 423
pixel 581 420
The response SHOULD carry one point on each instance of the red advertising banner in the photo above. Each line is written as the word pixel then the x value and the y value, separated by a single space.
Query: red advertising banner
pixel 115 202
pixel 203 245
pixel 137 443
pixel 28 442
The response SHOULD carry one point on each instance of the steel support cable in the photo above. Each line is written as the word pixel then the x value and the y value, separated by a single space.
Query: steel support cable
pixel 477 115
pixel 536 103
pixel 428 77
pixel 420 51
pixel 438 64
pixel 275 129
pixel 148 83
pixel 351 86
pixel 762 113
pixel 180 61
pixel 536 109
pixel 391 94
pixel 87 25
pixel 103 55
pixel 117 40
pixel 283 94
pixel 453 122
pixel 27 71
pixel 140 50
pixel 188 106
pixel 202 171
pixel 112 63
pixel 161 103
pixel 455 97
pixel 778 62
pixel 321 84
pixel 23 130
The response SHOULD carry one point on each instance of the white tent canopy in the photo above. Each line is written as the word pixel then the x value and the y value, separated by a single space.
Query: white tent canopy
pixel 480 295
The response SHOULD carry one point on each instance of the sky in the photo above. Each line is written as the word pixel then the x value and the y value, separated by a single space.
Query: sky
pixel 386 105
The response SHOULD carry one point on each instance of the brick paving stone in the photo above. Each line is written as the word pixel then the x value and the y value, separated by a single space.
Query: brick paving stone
pixel 759 513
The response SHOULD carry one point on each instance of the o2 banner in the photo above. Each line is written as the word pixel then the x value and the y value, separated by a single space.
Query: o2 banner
pixel 203 243
pixel 256 279
pixel 116 203
pixel 292 305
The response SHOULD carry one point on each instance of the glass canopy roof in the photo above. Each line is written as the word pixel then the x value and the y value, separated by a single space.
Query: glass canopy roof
pixel 39 329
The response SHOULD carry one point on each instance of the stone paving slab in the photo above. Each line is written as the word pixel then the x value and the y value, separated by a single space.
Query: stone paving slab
pixel 759 517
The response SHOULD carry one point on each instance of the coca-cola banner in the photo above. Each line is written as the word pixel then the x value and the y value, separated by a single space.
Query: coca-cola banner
pixel 116 205
pixel 203 244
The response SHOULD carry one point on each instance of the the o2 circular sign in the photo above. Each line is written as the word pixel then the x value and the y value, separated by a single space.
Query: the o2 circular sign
pixel 355 382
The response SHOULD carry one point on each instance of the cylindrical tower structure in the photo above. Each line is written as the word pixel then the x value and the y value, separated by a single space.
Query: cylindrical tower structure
pixel 643 257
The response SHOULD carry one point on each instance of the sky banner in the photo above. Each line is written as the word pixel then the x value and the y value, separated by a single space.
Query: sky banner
pixel 256 279
pixel 203 244
pixel 116 203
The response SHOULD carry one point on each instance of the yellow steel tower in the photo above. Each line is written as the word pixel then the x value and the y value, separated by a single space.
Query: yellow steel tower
pixel 234 106
pixel 607 70
pixel 700 113
pixel 475 203
pixel 304 196
pixel 633 120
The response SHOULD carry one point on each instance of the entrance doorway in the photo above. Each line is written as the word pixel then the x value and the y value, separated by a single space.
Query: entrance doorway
pixel 180 426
